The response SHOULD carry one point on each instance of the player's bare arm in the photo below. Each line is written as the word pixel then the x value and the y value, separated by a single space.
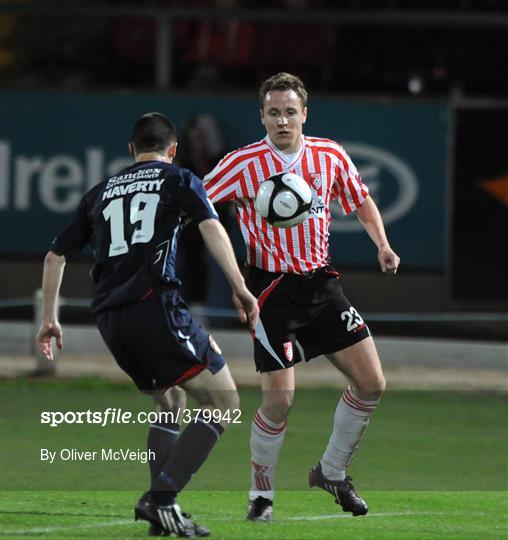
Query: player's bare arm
pixel 50 327
pixel 218 243
pixel 369 216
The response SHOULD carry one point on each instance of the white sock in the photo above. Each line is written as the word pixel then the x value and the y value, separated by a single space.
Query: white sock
pixel 265 443
pixel 350 421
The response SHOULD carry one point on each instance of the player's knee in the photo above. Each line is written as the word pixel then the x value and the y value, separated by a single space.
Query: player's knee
pixel 232 401
pixel 277 405
pixel 372 388
pixel 379 386
pixel 225 400
pixel 225 406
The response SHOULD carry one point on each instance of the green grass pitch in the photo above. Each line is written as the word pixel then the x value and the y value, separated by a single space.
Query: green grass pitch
pixel 433 464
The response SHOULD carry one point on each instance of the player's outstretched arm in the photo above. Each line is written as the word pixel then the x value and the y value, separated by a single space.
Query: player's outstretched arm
pixel 369 216
pixel 50 327
pixel 218 243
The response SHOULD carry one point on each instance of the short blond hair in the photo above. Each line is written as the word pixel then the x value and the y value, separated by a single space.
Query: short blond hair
pixel 283 81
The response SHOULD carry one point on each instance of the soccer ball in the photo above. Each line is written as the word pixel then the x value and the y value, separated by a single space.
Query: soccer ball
pixel 284 200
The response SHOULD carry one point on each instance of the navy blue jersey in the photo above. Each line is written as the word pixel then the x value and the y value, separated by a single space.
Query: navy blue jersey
pixel 133 221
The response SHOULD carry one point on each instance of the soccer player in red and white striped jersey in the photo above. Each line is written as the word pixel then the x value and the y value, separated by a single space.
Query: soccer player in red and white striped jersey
pixel 303 311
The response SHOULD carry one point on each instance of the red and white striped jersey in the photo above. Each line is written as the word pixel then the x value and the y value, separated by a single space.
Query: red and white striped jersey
pixel 329 172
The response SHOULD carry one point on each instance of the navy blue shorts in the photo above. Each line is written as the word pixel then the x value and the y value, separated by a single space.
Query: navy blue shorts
pixel 157 342
pixel 301 316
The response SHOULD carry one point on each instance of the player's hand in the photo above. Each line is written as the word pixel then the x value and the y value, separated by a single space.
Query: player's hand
pixel 388 260
pixel 47 331
pixel 247 307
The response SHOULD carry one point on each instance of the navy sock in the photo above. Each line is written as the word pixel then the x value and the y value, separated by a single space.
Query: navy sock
pixel 189 453
pixel 161 439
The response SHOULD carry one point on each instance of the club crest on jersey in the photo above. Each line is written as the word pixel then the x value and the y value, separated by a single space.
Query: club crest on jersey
pixel 288 351
pixel 315 179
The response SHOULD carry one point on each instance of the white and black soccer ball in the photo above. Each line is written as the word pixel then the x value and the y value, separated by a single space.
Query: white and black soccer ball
pixel 284 200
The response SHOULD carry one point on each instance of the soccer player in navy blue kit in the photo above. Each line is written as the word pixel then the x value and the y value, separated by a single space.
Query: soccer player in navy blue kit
pixel 133 221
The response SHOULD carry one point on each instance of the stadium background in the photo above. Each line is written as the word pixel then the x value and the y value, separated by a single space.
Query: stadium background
pixel 419 97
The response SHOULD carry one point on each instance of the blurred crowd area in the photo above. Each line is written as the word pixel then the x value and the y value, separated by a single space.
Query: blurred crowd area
pixel 111 49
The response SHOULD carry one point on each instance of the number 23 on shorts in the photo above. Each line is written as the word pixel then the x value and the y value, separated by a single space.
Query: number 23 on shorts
pixel 353 319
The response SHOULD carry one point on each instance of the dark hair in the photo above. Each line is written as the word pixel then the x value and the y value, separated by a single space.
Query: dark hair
pixel 153 132
pixel 283 81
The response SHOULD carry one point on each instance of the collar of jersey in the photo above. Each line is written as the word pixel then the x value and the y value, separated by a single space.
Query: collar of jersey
pixel 280 156
pixel 144 162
